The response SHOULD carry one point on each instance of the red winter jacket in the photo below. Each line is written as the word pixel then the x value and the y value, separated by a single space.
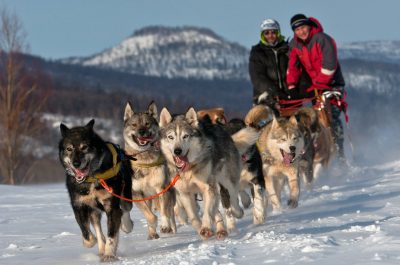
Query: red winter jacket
pixel 318 55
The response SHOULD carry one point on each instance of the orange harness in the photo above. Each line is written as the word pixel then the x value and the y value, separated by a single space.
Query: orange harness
pixel 110 190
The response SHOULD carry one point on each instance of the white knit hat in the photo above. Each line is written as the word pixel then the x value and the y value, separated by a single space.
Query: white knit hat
pixel 270 24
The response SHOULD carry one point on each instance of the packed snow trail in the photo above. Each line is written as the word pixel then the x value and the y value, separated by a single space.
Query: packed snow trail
pixel 350 218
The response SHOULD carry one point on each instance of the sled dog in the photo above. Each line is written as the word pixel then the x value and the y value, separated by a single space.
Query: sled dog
pixel 88 159
pixel 281 144
pixel 307 118
pixel 258 116
pixel 142 140
pixel 205 157
pixel 217 115
pixel 322 141
pixel 251 175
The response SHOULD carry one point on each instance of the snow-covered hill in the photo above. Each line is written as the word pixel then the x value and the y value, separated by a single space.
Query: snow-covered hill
pixel 173 52
pixel 348 218
pixel 199 53
pixel 378 51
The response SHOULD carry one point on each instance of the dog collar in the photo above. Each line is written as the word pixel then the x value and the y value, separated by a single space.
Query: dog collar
pixel 160 161
pixel 112 172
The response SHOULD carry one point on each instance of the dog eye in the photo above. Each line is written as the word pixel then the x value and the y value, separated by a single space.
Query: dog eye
pixel 84 147
pixel 185 136
pixel 170 137
pixel 69 148
pixel 134 124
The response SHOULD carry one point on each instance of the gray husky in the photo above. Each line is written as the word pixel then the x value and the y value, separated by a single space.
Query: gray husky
pixel 281 146
pixel 207 159
pixel 142 139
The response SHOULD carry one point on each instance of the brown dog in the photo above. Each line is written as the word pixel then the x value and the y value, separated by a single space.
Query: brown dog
pixel 217 115
pixel 258 116
pixel 321 136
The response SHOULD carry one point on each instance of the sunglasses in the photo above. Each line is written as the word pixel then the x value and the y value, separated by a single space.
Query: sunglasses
pixel 268 32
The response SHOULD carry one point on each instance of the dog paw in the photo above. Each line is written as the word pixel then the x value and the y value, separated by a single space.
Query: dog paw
pixel 90 242
pixel 153 236
pixel 221 235
pixel 108 258
pixel 238 213
pixel 166 230
pixel 206 233
pixel 245 198
pixel 292 203
pixel 127 226
pixel 258 219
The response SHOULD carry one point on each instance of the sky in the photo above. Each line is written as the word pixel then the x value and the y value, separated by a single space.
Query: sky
pixel 58 29
pixel 347 218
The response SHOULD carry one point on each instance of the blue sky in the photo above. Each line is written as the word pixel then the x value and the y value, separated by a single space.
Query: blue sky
pixel 57 28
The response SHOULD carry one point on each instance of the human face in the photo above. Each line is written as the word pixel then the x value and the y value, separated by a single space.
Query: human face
pixel 302 32
pixel 270 36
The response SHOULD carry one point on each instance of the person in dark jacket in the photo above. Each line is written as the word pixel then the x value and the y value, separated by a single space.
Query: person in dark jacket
pixel 316 52
pixel 268 64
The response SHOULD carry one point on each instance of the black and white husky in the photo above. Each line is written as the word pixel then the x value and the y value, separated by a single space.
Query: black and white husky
pixel 208 162
pixel 87 159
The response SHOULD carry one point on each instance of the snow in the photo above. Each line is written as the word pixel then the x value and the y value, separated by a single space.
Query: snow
pixel 374 50
pixel 350 217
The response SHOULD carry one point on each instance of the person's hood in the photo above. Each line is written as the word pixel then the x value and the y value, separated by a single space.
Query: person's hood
pixel 279 39
pixel 316 27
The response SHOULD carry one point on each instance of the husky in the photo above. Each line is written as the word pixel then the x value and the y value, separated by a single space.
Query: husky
pixel 88 159
pixel 217 115
pixel 151 175
pixel 258 116
pixel 307 118
pixel 323 145
pixel 281 145
pixel 251 175
pixel 205 157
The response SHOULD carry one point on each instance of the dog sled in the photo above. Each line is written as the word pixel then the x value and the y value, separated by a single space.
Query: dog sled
pixel 322 102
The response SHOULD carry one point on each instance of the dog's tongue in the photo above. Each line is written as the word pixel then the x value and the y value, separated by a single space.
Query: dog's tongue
pixel 287 158
pixel 181 163
pixel 80 175
pixel 144 140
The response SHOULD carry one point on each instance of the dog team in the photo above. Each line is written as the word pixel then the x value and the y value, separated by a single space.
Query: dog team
pixel 169 161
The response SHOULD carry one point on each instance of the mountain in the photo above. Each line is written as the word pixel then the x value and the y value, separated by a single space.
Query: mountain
pixel 380 51
pixel 198 53
pixel 187 52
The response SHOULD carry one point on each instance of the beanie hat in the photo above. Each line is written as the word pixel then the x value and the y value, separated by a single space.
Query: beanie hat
pixel 270 24
pixel 299 20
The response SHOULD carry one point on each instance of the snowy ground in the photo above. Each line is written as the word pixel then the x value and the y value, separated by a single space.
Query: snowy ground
pixel 353 218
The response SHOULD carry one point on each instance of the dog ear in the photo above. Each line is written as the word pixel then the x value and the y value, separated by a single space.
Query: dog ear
pixel 191 117
pixel 128 111
pixel 64 130
pixel 90 124
pixel 275 123
pixel 165 117
pixel 152 109
pixel 293 120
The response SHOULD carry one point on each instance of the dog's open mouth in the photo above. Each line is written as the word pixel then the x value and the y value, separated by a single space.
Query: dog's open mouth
pixel 143 141
pixel 288 158
pixel 181 163
pixel 81 174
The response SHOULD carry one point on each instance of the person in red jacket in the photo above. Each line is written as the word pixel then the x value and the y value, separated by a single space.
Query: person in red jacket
pixel 316 51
